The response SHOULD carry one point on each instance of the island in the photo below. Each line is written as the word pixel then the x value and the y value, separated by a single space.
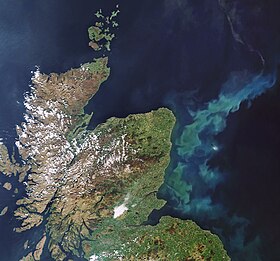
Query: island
pixel 4 211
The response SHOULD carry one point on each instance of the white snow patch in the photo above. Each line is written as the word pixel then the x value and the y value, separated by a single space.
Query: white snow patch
pixel 119 210
pixel 37 72
pixel 93 258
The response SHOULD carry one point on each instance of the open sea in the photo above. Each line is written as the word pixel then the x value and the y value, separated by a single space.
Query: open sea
pixel 178 54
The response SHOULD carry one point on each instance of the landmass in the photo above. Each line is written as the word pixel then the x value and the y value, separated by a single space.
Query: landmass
pixel 171 239
pixel 100 33
pixel 7 186
pixel 4 211
pixel 89 193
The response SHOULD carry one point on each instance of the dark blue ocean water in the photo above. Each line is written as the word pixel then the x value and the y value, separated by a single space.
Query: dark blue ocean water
pixel 167 53
pixel 251 156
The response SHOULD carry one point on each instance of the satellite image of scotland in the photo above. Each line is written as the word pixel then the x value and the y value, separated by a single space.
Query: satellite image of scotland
pixel 140 130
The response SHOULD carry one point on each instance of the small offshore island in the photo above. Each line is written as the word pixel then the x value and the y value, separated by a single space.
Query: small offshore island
pixel 90 192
